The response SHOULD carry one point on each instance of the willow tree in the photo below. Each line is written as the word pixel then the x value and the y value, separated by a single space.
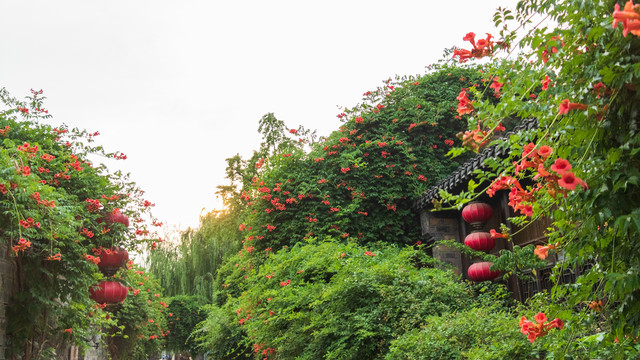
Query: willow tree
pixel 189 267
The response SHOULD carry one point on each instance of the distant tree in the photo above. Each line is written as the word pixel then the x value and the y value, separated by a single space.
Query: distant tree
pixel 182 316
pixel 189 267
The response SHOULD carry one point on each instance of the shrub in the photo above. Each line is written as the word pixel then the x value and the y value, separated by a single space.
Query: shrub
pixel 182 316
pixel 335 301
pixel 220 336
pixel 477 333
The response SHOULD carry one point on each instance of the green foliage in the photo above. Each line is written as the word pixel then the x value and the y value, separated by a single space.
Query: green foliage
pixel 334 300
pixel 584 335
pixel 580 80
pixel 53 201
pixel 587 112
pixel 356 184
pixel 189 268
pixel 182 316
pixel 360 181
pixel 479 333
pixel 509 263
pixel 221 336
pixel 142 323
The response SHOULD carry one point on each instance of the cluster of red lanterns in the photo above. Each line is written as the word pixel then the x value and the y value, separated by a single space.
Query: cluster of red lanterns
pixel 111 291
pixel 477 214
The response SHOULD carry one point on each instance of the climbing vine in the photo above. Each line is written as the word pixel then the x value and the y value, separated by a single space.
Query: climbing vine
pixel 54 209
pixel 579 167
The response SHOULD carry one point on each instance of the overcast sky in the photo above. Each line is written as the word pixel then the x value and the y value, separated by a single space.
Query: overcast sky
pixel 178 86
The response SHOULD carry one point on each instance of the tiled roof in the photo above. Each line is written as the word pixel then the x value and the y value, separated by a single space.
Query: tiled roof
pixel 464 173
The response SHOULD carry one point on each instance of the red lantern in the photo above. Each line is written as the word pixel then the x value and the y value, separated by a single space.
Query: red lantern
pixel 477 212
pixel 113 260
pixel 119 218
pixel 115 217
pixel 480 241
pixel 480 272
pixel 110 292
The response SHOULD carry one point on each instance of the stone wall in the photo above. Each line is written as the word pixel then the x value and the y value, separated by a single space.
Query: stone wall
pixel 6 279
pixel 443 229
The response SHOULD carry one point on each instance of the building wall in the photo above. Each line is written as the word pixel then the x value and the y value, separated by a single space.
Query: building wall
pixel 96 353
pixel 442 228
pixel 6 279
pixel 534 233
pixel 6 285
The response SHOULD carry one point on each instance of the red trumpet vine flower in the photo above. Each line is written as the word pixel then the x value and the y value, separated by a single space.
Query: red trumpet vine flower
pixel 629 17
pixel 565 106
pixel 482 47
pixel 534 331
pixel 543 251
pixel 464 104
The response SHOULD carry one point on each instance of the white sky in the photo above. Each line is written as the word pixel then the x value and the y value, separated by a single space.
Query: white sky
pixel 179 86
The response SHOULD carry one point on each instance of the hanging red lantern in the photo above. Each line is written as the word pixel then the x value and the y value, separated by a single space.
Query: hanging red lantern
pixel 480 271
pixel 115 217
pixel 480 241
pixel 110 292
pixel 113 259
pixel 477 212
pixel 118 217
